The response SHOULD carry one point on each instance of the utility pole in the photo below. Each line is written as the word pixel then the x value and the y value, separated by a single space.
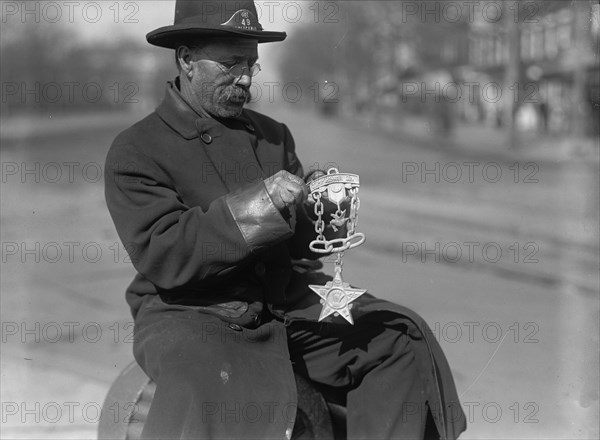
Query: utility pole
pixel 581 50
pixel 512 86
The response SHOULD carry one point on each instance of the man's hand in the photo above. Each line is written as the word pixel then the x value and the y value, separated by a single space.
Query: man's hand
pixel 286 189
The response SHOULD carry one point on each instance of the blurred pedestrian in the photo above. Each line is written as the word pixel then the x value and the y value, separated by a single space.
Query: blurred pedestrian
pixel 544 115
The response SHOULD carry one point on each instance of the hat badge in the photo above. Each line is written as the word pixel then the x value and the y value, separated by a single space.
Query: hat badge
pixel 244 20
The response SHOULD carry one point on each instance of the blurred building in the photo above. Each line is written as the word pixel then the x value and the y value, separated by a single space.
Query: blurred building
pixel 558 86
pixel 78 79
pixel 535 67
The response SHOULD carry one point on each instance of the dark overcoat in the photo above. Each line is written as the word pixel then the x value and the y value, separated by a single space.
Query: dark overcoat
pixel 188 199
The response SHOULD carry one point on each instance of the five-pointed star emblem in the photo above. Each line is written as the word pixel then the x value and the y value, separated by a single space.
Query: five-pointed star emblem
pixel 336 298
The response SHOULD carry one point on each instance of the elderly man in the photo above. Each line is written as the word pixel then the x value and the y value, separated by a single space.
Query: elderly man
pixel 210 200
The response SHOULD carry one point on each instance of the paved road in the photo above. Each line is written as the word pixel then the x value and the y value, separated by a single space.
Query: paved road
pixel 504 269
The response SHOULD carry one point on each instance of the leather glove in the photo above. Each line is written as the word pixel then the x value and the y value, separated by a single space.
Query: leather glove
pixel 286 190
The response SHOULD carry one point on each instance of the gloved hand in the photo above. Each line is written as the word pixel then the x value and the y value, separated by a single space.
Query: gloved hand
pixel 314 175
pixel 286 190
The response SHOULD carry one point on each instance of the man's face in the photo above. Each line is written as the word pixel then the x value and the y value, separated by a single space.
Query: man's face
pixel 219 92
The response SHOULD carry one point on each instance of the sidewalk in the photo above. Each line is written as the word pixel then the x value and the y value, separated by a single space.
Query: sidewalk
pixel 475 140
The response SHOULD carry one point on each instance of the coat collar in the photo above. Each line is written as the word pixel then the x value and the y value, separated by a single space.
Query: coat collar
pixel 177 113
pixel 181 117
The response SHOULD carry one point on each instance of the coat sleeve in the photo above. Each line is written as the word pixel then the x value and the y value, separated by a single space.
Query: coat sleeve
pixel 172 244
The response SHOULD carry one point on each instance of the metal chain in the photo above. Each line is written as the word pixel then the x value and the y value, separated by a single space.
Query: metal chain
pixel 319 224
pixel 354 205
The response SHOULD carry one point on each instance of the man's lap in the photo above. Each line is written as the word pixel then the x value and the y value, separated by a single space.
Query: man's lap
pixel 167 333
pixel 335 354
pixel 201 353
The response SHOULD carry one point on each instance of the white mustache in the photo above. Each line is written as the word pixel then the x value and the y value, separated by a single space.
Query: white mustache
pixel 236 93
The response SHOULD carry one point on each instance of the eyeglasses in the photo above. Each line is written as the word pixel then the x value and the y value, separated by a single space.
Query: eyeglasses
pixel 237 70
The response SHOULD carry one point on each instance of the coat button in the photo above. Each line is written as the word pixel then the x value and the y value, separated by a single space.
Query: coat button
pixel 250 128
pixel 206 138
pixel 235 327
pixel 260 269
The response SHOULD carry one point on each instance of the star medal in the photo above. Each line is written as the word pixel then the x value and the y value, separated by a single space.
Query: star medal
pixel 336 297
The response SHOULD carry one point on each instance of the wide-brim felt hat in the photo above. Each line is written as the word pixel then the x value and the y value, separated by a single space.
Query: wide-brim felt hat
pixel 196 20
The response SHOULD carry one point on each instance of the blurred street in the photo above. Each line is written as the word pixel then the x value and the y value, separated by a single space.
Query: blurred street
pixel 498 253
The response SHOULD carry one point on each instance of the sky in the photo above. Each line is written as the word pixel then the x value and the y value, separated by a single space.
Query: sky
pixel 110 21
